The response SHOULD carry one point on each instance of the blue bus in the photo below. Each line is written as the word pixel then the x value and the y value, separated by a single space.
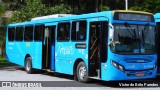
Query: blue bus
pixel 157 20
pixel 109 45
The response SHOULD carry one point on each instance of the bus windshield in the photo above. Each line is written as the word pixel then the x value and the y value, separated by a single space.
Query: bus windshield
pixel 134 39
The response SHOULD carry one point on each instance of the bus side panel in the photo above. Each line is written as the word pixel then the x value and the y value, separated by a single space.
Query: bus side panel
pixel 19 53
pixel 35 51
pixel 10 53
pixel 63 52
pixel 12 50
pixel 66 55
pixel 16 52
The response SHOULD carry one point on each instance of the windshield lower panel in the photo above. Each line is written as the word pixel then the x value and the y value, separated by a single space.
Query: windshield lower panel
pixel 134 39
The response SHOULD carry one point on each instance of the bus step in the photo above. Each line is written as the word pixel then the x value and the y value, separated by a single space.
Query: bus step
pixel 98 72
pixel 48 70
pixel 96 77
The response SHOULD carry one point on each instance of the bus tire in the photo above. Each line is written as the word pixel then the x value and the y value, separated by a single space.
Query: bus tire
pixel 81 72
pixel 28 65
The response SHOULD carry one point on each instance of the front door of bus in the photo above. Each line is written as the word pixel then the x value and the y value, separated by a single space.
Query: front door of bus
pixel 97 46
pixel 49 62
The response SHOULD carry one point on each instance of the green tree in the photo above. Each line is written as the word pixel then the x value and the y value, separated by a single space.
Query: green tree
pixel 103 8
pixel 35 8
pixel 59 9
pixel 2 29
pixel 2 40
pixel 13 4
pixel 32 8
pixel 147 5
pixel 2 9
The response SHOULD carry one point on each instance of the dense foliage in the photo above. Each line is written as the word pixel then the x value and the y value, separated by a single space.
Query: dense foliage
pixel 152 6
pixel 35 8
pixel 26 9
pixel 2 9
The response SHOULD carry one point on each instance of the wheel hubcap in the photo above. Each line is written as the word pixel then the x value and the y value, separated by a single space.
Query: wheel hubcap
pixel 82 72
pixel 28 66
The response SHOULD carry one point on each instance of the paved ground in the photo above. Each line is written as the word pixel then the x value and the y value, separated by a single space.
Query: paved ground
pixel 15 73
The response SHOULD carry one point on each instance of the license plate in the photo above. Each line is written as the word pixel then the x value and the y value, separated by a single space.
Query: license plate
pixel 140 74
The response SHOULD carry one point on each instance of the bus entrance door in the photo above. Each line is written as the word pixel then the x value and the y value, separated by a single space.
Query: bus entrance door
pixel 97 47
pixel 49 60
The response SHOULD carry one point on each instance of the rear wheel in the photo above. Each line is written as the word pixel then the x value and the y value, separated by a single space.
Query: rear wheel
pixel 28 65
pixel 82 74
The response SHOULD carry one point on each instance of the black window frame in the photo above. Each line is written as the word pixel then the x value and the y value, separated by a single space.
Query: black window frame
pixel 11 35
pixel 22 36
pixel 43 28
pixel 25 33
pixel 52 33
pixel 78 40
pixel 58 28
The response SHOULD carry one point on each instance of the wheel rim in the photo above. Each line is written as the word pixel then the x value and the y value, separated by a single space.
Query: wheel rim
pixel 82 72
pixel 28 66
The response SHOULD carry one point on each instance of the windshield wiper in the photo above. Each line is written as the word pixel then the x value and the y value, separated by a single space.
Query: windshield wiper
pixel 132 34
pixel 143 33
pixel 146 27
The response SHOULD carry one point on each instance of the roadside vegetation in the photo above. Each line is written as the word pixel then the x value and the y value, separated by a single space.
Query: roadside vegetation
pixel 3 62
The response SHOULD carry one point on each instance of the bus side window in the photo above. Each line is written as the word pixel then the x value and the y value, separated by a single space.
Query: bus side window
pixel 79 30
pixel 28 34
pixel 38 32
pixel 11 33
pixel 63 33
pixel 19 34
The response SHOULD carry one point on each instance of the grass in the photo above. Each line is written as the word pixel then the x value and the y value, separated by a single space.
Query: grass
pixel 3 61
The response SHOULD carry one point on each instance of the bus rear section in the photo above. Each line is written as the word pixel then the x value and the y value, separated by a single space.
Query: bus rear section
pixel 24 45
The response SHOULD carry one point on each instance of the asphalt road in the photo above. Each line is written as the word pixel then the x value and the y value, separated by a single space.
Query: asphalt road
pixel 66 82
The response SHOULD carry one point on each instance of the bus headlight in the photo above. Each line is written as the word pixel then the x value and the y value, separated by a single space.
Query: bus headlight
pixel 118 66
pixel 114 64
pixel 121 68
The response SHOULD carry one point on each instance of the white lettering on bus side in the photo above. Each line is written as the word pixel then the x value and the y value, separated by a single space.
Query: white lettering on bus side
pixel 65 50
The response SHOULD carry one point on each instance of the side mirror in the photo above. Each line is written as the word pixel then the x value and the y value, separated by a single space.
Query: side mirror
pixel 111 33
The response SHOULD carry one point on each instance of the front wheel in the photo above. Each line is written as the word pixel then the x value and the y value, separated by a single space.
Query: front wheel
pixel 82 74
pixel 28 65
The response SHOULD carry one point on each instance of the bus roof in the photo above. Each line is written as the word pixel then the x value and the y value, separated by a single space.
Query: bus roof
pixel 157 16
pixel 76 17
pixel 50 16
pixel 71 17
